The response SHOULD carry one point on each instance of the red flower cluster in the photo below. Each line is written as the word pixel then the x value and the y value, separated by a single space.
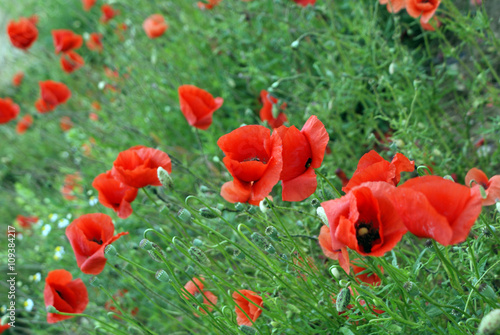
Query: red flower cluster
pixel 66 41
pixel 198 105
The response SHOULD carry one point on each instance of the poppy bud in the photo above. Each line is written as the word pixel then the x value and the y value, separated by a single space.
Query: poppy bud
pixel 295 44
pixel 237 254
pixel 411 288
pixel 184 215
pixel 335 272
pixel 161 275
pixel 209 212
pixel 247 330
pixel 164 178
pixel 320 211
pixel 239 206
pixel 490 324
pixel 51 309
pixel 197 242
pixel 199 256
pixel 343 300
pixel 315 203
pixel 252 210
pixel 264 206
pixel 155 257
pixel 261 241
pixel 272 233
pixel 110 251
pixel 145 244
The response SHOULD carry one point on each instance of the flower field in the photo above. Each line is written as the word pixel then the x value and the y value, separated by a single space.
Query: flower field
pixel 250 167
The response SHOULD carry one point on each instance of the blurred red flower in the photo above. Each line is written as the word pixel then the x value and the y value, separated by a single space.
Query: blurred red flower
pixel 88 4
pixel 71 61
pixel 303 151
pixel 66 40
pixel 52 94
pixel 154 26
pixel 198 105
pixel 492 186
pixel 114 194
pixel 96 106
pixel 94 117
pixel 110 305
pixel 438 208
pixel 269 103
pixel 137 166
pixel 208 4
pixel 66 295
pixel 22 34
pixel 424 8
pixel 8 110
pixel 304 3
pixel 325 242
pixel 393 6
pixel 368 277
pixel 253 158
pixel 24 124
pixel 244 306
pixel 365 220
pixel 431 25
pixel 66 123
pixel 18 78
pixel 94 42
pixel 26 221
pixel 372 167
pixel 196 287
pixel 89 235
pixel 4 328
pixel 70 184
pixel 108 13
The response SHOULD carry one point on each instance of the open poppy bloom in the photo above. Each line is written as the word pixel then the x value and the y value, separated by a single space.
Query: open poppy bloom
pixel 18 78
pixel 114 194
pixel 108 13
pixel 154 26
pixel 365 220
pixel 198 105
pixel 8 110
pixel 94 42
pixel 244 306
pixel 393 6
pixel 89 235
pixel 22 34
pixel 424 8
pixel 26 221
pixel 325 242
pixel 372 167
pixel 52 94
pixel 196 287
pixel 253 158
pixel 24 124
pixel 209 4
pixel 304 3
pixel 137 166
pixel 88 4
pixel 491 187
pixel 71 61
pixel 437 208
pixel 66 40
pixel 65 294
pixel 303 151
pixel 266 113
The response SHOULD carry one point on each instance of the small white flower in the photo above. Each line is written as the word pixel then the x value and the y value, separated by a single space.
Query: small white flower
pixel 93 201
pixel 59 253
pixel 19 237
pixel 28 305
pixel 69 216
pixel 63 223
pixel 36 277
pixel 3 309
pixel 46 230
pixel 53 217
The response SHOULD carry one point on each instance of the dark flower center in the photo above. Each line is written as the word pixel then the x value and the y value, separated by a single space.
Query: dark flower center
pixel 366 235
pixel 59 294
pixel 308 163
pixel 97 241
pixel 255 159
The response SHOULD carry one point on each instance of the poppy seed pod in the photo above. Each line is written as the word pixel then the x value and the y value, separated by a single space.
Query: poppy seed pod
pixel 199 256
pixel 343 299
pixel 165 178
pixel 248 330
pixel 490 323
pixel 162 276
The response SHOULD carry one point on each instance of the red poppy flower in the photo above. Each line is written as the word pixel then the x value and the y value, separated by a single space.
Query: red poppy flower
pixel 24 124
pixel 71 61
pixel 18 78
pixel 52 94
pixel 266 113
pixel 23 33
pixel 198 105
pixel 372 167
pixel 154 26
pixel 26 221
pixel 89 235
pixel 209 299
pixel 325 242
pixel 208 5
pixel 303 151
pixel 114 194
pixel 94 42
pixel 243 305
pixel 70 184
pixel 4 328
pixel 437 208
pixel 110 304
pixel 94 117
pixel 304 3
pixel 96 106
pixel 8 110
pixel 108 13
pixel 66 123
pixel 137 166
pixel 66 40
pixel 66 295
pixel 88 4
pixel 393 6
pixel 253 158
pixel 431 25
pixel 365 220
pixel 426 8
pixel 491 186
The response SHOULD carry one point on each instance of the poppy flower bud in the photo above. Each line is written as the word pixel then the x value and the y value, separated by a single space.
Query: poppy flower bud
pixel 411 288
pixel 239 206
pixel 51 309
pixel 295 44
pixel 272 233
pixel 262 243
pixel 197 242
pixel 320 211
pixel 264 206
pixel 335 272
pixel 154 256
pixel 252 210
pixel 110 251
pixel 237 254
pixel 184 215
pixel 209 212
pixel 199 256
pixel 247 330
pixel 490 324
pixel 145 244
pixel 164 178
pixel 315 203
pixel 343 299
pixel 161 275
